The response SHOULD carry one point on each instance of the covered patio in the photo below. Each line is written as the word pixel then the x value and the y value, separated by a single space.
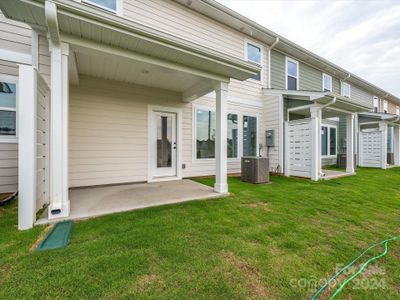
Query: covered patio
pixel 97 201
pixel 319 128
pixel 117 92
pixel 379 140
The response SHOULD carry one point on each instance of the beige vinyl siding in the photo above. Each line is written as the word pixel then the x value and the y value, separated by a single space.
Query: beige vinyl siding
pixel 336 85
pixel 271 116
pixel 8 68
pixel 15 36
pixel 361 96
pixel 44 58
pixel 181 21
pixel 310 79
pixel 391 107
pixel 108 131
pixel 278 70
pixel 8 167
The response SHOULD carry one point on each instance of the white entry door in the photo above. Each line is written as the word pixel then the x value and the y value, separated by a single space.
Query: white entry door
pixel 164 125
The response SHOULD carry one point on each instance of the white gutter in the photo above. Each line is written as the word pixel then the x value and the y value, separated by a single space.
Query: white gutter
pixel 269 61
pixel 329 103
pixel 50 11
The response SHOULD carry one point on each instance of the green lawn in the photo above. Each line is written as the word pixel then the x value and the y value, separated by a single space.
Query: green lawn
pixel 264 241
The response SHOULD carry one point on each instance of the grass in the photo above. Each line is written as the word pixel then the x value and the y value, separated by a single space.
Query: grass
pixel 265 241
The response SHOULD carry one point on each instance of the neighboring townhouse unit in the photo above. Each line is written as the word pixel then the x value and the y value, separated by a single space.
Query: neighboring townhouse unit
pixel 109 92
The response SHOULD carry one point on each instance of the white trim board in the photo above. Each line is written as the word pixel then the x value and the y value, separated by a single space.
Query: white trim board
pixel 17 57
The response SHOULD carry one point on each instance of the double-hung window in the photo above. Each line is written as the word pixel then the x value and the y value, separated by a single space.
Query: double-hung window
pixel 397 110
pixel 254 55
pixel 385 106
pixel 376 104
pixel 326 83
pixel 110 5
pixel 292 74
pixel 328 140
pixel 346 90
pixel 8 109
pixel 206 132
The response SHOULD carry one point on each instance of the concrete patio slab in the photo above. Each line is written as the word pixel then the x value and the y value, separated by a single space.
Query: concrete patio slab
pixel 97 201
pixel 332 174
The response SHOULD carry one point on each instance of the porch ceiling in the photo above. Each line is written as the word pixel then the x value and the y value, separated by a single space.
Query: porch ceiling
pixel 140 73
pixel 77 21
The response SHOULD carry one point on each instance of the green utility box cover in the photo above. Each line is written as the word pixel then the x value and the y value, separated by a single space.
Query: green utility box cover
pixel 58 237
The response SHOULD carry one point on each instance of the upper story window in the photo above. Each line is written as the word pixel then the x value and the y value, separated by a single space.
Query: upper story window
pixel 105 4
pixel 346 90
pixel 254 54
pixel 8 109
pixel 376 104
pixel 385 106
pixel 292 74
pixel 326 83
pixel 397 110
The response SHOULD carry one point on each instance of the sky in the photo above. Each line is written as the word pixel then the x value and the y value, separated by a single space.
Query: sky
pixel 362 37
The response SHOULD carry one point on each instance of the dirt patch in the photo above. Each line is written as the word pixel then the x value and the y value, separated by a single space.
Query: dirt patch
pixel 254 279
pixel 41 237
pixel 147 281
pixel 265 206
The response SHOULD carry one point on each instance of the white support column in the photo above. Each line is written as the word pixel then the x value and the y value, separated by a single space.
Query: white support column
pixel 315 143
pixel 384 129
pixel 396 145
pixel 59 200
pixel 221 168
pixel 27 90
pixel 287 152
pixel 356 140
pixel 350 143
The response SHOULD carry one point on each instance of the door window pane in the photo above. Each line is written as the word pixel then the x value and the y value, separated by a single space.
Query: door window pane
pixel 8 95
pixel 8 103
pixel 232 135
pixel 324 141
pixel 249 136
pixel 332 141
pixel 7 122
pixel 164 141
pixel 205 134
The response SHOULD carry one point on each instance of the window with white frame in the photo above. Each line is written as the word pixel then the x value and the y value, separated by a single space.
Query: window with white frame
pixel 397 110
pixel 328 140
pixel 346 90
pixel 326 83
pixel 249 136
pixel 385 106
pixel 254 54
pixel 206 132
pixel 376 104
pixel 8 109
pixel 105 4
pixel 292 74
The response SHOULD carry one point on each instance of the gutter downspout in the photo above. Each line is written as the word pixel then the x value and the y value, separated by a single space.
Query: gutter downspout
pixel 50 12
pixel 329 103
pixel 269 61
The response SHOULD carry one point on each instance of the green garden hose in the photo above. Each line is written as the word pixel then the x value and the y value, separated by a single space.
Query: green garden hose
pixel 385 243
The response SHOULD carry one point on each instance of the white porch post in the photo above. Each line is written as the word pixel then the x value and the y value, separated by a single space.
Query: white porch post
pixel 350 143
pixel 221 168
pixel 287 150
pixel 315 143
pixel 27 147
pixel 356 140
pixel 384 129
pixel 59 201
pixel 396 144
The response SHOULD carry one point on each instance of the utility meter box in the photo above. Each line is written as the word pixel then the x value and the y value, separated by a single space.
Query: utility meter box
pixel 270 138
